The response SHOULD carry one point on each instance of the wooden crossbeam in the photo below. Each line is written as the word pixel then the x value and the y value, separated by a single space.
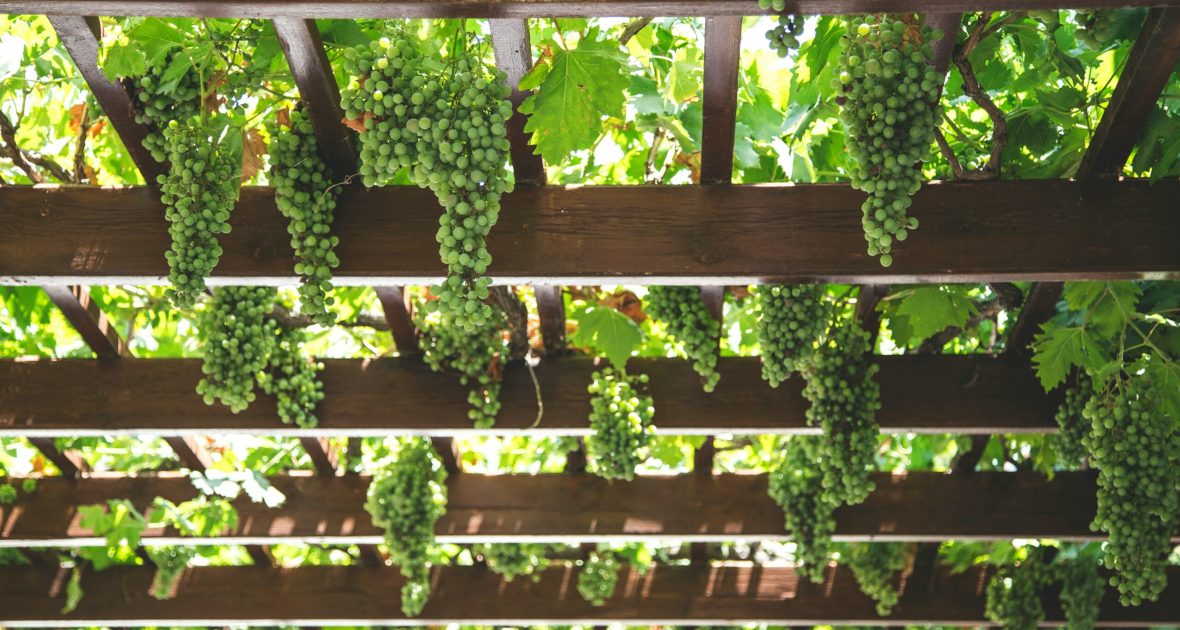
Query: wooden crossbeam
pixel 69 463
pixel 87 318
pixel 723 47
pixel 192 455
pixel 923 394
pixel 352 9
pixel 667 595
pixel 80 36
pixel 573 235
pixel 583 508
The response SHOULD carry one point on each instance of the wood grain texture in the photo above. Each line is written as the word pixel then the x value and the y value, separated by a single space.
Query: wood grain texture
pixel 582 507
pixel 514 56
pixel 84 314
pixel 924 394
pixel 551 313
pixel 525 8
pixel 970 232
pixel 666 595
pixel 723 47
pixel 397 315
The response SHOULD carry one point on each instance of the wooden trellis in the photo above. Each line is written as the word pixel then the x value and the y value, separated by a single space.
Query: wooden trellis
pixel 713 234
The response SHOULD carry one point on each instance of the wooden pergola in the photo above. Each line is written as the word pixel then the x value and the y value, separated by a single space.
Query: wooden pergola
pixel 1096 226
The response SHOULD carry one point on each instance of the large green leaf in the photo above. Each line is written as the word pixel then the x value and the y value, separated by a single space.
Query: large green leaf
pixel 1059 349
pixel 931 309
pixel 608 332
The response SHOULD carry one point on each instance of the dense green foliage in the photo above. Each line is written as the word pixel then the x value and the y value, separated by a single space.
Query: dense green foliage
pixel 621 422
pixel 682 310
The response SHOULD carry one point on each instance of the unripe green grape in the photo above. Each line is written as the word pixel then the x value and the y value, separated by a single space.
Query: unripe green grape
pixel 473 352
pixel 683 312
pixel 621 413
pixel 791 319
pixel 599 577
pixel 877 568
pixel 237 338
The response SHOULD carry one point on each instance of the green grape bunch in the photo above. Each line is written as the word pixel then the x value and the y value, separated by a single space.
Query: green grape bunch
pixel 888 93
pixel 1013 597
pixel 406 498
pixel 1095 29
pixel 1071 421
pixel 1134 444
pixel 791 318
pixel 1082 588
pixel 599 577
pixel 513 560
pixel 473 352
pixel 441 121
pixel 844 399
pixel 305 196
pixel 784 37
pixel 621 413
pixel 877 568
pixel 158 102
pixel 170 564
pixel 292 378
pixel 683 311
pixel 796 485
pixel 199 192
pixel 237 337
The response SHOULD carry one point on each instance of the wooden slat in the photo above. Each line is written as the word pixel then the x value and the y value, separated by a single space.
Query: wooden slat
pixel 524 8
pixel 80 35
pixel 578 235
pixel 88 319
pixel 723 46
pixel 192 455
pixel 514 56
pixel 924 394
pixel 445 448
pixel 309 64
pixel 1039 306
pixel 580 507
pixel 323 459
pixel 551 312
pixel 397 315
pixel 68 463
pixel 1144 76
pixel 949 24
pixel 667 595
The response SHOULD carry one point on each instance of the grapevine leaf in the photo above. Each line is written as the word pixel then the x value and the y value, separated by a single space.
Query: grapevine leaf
pixel 1165 378
pixel 73 591
pixel 1059 349
pixel 124 61
pixel 609 333
pixel 1107 304
pixel 156 38
pixel 534 77
pixel 932 309
pixel 684 79
pixel 646 97
pixel 743 147
pixel 585 85
pixel 760 116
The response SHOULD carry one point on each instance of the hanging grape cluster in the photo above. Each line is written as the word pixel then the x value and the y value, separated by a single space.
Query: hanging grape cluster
pixel 170 564
pixel 304 194
pixel 198 191
pixel 442 119
pixel 1013 594
pixel 797 485
pixel 405 499
pixel 1135 446
pixel 159 102
pixel 1071 421
pixel 683 311
pixel 292 378
pixel 238 337
pixel 876 567
pixel 473 352
pixel 888 93
pixel 844 401
pixel 791 317
pixel 1081 592
pixel 621 413
pixel 512 560
pixel 1095 28
pixel 784 37
pixel 599 577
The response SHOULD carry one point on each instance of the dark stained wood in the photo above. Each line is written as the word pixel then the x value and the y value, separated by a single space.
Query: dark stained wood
pixel 260 555
pixel 867 299
pixel 702 457
pixel 514 56
pixel 301 42
pixel 397 314
pixel 949 24
pixel 723 47
pixel 87 318
pixel 581 507
pixel 575 235
pixel 80 36
pixel 1144 76
pixel 192 455
pixel 524 8
pixel 323 458
pixel 70 464
pixel 714 298
pixel 1039 306
pixel 674 595
pixel 551 312
pixel 445 448
pixel 924 394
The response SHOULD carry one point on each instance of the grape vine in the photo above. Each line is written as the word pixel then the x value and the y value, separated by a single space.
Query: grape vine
pixel 688 320
pixel 888 96
pixel 442 120
pixel 238 338
pixel 791 318
pixel 876 567
pixel 1071 420
pixel 405 499
pixel 512 560
pixel 796 485
pixel 599 577
pixel 621 421
pixel 293 379
pixel 304 194
pixel 474 352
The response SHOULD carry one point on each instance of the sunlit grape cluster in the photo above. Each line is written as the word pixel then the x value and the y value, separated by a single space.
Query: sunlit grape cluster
pixel 621 413
pixel 1071 421
pixel 292 378
pixel 512 560
pixel 170 561
pixel 1013 594
pixel 683 312
pixel 159 102
pixel 472 352
pixel 237 338
pixel 784 37
pixel 199 192
pixel 1095 28
pixel 791 318
pixel 1135 446
pixel 599 577
pixel 441 120
pixel 877 569
pixel 888 91
pixel 303 193
pixel 406 497
pixel 796 484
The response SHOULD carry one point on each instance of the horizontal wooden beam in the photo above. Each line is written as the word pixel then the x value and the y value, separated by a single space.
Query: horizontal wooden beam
pixel 585 508
pixel 524 8
pixel 665 595
pixel 920 394
pixel 688 235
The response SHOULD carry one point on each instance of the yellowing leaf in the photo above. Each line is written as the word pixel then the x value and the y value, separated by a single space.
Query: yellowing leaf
pixel 252 152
